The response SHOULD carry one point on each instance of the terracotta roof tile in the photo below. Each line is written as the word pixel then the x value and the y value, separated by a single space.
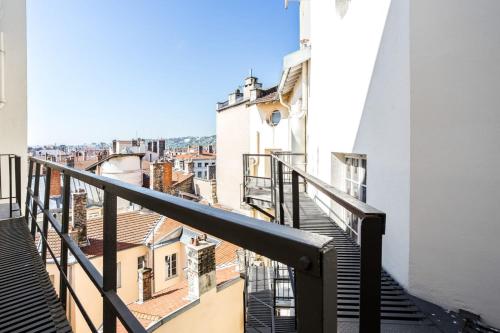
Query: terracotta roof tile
pixel 132 230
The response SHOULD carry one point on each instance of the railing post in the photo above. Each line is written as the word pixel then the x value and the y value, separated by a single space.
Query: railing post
pixel 36 195
pixel 46 206
pixel 316 297
pixel 64 231
pixel 17 171
pixel 109 260
pixel 372 229
pixel 281 193
pixel 10 186
pixel 28 196
pixel 295 200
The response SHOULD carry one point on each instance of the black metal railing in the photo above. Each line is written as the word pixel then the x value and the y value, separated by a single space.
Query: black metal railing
pixel 312 256
pixel 372 226
pixel 10 181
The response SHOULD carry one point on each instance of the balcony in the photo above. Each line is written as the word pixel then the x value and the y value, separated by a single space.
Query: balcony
pixel 311 256
pixel 368 298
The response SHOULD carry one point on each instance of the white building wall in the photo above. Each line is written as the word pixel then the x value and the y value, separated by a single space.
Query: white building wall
pixel 13 114
pixel 233 140
pixel 359 102
pixel 455 160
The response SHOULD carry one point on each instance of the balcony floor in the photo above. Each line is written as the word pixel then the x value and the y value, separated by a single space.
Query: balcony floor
pixel 28 301
pixel 399 312
pixel 5 211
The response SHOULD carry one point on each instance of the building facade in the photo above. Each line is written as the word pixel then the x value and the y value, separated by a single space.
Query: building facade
pixel 405 92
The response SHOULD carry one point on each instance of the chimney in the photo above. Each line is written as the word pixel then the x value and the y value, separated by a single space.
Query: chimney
pixel 145 278
pixel 80 215
pixel 55 183
pixel 200 150
pixel 160 176
pixel 210 149
pixel 200 267
pixel 189 167
pixel 251 83
pixel 211 172
pixel 167 176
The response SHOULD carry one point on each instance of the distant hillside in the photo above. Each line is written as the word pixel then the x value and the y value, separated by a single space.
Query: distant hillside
pixel 190 141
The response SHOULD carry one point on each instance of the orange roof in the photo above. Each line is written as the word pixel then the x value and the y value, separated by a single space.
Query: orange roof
pixel 171 299
pixel 132 230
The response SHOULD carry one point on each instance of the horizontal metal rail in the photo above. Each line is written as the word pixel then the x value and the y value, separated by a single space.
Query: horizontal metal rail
pixel 311 255
pixel 372 229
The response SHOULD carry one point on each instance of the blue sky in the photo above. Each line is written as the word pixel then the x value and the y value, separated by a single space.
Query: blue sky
pixel 99 70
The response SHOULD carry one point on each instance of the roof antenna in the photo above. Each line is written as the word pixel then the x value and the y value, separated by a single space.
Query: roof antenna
pixel 251 72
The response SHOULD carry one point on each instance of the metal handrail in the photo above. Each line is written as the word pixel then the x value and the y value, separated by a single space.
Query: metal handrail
pixel 372 229
pixel 347 201
pixel 312 256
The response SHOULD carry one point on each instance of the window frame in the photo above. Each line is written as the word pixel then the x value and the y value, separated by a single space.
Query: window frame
pixel 170 269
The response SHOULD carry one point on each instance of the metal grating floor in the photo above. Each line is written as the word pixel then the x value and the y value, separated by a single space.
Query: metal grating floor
pixel 399 313
pixel 28 302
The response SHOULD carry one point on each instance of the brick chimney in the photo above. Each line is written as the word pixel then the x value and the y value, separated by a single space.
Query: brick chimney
pixel 145 278
pixel 200 267
pixel 189 167
pixel 55 183
pixel 160 176
pixel 80 215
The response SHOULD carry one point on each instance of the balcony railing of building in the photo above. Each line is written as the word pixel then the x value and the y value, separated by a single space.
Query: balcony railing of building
pixel 285 185
pixel 313 257
pixel 10 184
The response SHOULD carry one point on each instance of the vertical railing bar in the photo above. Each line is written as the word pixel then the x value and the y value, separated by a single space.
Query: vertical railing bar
pixel 109 260
pixel 316 297
pixel 28 195
pixel 35 194
pixel 281 193
pixel 17 171
pixel 295 200
pixel 46 206
pixel 370 274
pixel 10 186
pixel 64 231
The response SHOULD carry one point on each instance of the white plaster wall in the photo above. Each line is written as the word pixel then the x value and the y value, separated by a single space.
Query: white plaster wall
pixel 455 135
pixel 233 140
pixel 359 102
pixel 124 168
pixel 13 115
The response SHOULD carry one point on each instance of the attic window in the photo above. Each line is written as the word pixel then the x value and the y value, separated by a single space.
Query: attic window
pixel 275 118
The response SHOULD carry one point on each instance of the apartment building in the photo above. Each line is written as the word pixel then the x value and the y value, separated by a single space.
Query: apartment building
pixel 387 101
pixel 153 276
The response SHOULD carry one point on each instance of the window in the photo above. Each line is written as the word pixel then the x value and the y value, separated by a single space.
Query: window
pixel 275 118
pixel 141 262
pixel 118 275
pixel 355 183
pixel 199 174
pixel 199 165
pixel 206 164
pixel 170 266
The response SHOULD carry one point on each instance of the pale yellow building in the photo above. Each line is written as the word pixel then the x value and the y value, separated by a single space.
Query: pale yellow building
pixel 152 275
